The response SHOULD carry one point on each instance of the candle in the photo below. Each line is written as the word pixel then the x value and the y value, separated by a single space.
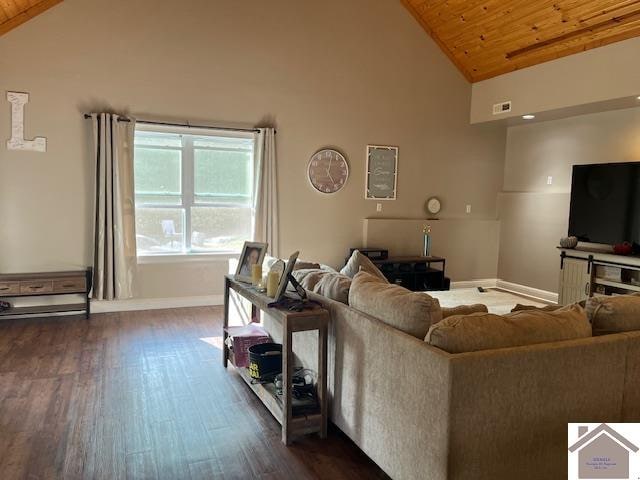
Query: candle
pixel 256 274
pixel 272 283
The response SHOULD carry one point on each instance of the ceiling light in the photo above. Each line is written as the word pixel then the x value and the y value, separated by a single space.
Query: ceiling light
pixel 528 117
pixel 638 98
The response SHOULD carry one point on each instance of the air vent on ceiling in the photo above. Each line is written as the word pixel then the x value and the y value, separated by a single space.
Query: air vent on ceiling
pixel 504 107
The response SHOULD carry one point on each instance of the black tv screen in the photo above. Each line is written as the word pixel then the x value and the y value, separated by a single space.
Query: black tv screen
pixel 605 203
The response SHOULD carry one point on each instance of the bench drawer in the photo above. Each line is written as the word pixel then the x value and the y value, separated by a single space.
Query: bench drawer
pixel 36 287
pixel 71 285
pixel 9 288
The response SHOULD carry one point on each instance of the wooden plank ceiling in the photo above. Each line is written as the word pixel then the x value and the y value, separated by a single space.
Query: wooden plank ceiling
pixel 15 12
pixel 486 38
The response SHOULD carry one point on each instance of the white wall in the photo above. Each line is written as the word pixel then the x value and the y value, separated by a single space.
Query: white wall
pixel 598 75
pixel 332 73
pixel 535 215
pixel 469 246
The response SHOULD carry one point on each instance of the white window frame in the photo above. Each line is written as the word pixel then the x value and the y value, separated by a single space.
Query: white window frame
pixel 187 179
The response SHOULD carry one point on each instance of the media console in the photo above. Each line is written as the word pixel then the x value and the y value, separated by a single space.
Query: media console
pixel 585 273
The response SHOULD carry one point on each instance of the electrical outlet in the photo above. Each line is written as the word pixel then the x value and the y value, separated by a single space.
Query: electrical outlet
pixel 468 208
pixel 549 180
pixel 378 207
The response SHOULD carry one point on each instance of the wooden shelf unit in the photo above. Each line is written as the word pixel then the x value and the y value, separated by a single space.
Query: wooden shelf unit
pixel 580 276
pixel 620 285
pixel 42 284
pixel 312 319
pixel 300 424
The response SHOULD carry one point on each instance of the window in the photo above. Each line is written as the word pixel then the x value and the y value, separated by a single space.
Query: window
pixel 194 192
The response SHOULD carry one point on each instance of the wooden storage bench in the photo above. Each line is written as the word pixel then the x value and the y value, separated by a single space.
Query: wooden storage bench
pixel 44 284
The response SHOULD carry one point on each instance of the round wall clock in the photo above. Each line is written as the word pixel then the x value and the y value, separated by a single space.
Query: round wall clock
pixel 328 171
pixel 434 205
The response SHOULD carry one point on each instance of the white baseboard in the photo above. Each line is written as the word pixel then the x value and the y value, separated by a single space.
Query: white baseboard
pixel 484 283
pixel 528 291
pixel 534 293
pixel 105 306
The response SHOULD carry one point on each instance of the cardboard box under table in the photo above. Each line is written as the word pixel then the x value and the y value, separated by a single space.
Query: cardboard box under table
pixel 244 337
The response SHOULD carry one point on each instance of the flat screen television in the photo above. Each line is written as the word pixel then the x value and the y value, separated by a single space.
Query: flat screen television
pixel 605 203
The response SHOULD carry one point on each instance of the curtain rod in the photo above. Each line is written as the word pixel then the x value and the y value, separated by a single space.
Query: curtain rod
pixel 182 125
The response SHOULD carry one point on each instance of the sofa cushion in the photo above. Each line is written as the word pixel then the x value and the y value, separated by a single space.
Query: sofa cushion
pixel 359 262
pixel 614 314
pixel 300 265
pixel 486 331
pixel 308 277
pixel 332 285
pixel 464 310
pixel 410 312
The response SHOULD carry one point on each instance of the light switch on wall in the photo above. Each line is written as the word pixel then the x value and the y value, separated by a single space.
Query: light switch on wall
pixel 549 180
pixel 378 207
pixel 468 208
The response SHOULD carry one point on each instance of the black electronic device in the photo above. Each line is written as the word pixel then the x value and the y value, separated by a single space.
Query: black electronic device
pixel 605 203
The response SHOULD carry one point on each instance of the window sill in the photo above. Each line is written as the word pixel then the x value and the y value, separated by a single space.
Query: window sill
pixel 186 258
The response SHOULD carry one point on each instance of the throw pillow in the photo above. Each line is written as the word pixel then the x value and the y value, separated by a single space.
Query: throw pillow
pixel 486 331
pixel 268 262
pixel 410 312
pixel 332 285
pixel 614 314
pixel 359 262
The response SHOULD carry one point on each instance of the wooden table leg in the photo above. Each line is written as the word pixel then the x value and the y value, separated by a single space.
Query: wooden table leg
pixel 89 285
pixel 225 324
pixel 322 378
pixel 287 379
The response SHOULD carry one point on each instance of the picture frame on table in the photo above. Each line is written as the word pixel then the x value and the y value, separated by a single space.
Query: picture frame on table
pixel 382 172
pixel 284 278
pixel 253 253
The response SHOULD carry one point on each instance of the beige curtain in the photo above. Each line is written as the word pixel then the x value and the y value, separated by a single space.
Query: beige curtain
pixel 266 191
pixel 114 210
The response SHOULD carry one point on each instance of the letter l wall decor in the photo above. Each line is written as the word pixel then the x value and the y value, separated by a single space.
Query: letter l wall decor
pixel 17 141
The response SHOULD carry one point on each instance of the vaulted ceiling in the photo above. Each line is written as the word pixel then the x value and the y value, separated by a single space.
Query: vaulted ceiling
pixel 486 38
pixel 16 12
pixel 483 38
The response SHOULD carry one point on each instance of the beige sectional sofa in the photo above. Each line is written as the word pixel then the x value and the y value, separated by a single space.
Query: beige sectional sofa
pixel 420 412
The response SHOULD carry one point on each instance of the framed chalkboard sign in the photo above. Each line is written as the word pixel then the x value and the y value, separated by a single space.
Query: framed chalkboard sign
pixel 382 172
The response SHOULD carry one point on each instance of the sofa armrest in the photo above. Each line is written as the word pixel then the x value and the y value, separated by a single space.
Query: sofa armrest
pixel 510 406
pixel 389 393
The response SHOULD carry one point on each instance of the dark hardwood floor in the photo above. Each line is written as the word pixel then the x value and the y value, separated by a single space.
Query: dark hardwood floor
pixel 144 395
